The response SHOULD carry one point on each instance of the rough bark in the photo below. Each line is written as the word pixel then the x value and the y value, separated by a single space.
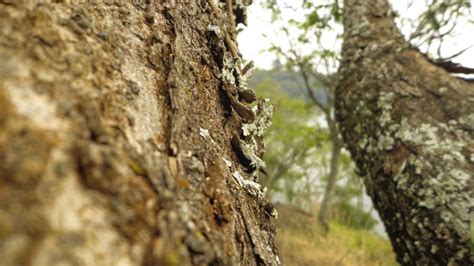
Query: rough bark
pixel 409 126
pixel 116 123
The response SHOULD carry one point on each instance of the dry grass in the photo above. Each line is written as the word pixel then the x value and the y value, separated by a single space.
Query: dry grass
pixel 300 243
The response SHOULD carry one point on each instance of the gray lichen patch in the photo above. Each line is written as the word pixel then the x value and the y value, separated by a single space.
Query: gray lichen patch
pixel 468 121
pixel 227 162
pixel 216 30
pixel 204 133
pixel 384 104
pixel 444 191
pixel 228 69
pixel 263 120
pixel 251 144
pixel 250 186
pixel 405 89
pixel 385 142
pixel 249 150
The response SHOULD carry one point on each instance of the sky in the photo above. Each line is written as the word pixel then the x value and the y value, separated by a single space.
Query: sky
pixel 253 45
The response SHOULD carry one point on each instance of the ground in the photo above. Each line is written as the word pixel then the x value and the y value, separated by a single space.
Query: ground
pixel 300 242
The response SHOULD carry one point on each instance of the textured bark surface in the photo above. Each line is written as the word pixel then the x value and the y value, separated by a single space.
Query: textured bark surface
pixel 409 126
pixel 116 123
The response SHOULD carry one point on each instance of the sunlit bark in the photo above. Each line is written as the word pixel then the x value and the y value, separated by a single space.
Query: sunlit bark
pixel 116 123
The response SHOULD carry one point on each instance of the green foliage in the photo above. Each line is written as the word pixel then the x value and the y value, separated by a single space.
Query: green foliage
pixel 439 23
pixel 292 139
pixel 298 151
pixel 353 217
pixel 321 16
pixel 472 234
pixel 441 13
pixel 305 31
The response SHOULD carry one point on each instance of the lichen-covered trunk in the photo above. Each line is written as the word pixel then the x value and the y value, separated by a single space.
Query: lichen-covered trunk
pixel 409 126
pixel 116 121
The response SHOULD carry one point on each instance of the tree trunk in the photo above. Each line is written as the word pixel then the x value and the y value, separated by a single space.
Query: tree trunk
pixel 323 215
pixel 330 84
pixel 116 122
pixel 409 126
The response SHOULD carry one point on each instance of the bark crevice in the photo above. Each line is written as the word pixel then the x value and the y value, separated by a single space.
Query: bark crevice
pixel 113 139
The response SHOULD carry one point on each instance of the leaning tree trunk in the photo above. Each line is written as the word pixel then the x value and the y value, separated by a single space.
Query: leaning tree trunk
pixel 409 126
pixel 116 121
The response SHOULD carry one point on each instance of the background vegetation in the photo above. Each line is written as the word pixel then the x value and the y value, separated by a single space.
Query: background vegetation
pixel 300 85
pixel 297 163
pixel 296 175
pixel 300 243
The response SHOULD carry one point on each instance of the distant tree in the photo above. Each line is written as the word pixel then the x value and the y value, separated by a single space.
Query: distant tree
pixel 314 64
pixel 293 139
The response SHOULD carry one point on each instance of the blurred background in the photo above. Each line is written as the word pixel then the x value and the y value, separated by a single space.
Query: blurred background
pixel 325 216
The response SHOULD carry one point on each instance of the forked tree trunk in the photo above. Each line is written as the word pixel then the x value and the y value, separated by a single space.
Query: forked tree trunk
pixel 409 126
pixel 116 122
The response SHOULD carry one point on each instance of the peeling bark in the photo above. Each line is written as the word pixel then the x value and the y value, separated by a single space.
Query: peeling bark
pixel 409 126
pixel 116 123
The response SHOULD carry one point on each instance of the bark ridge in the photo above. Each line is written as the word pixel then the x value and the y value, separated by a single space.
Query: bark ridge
pixel 115 138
